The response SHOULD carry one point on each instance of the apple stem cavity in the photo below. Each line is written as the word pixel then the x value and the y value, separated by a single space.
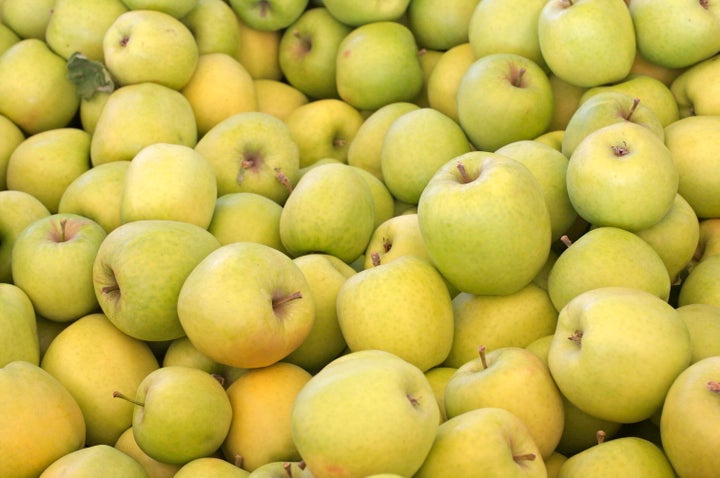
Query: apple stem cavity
pixel 576 337
pixel 635 103
pixel 714 386
pixel 219 378
pixel 516 76
pixel 483 357
pixel 283 179
pixel 600 436
pixel 280 301
pixel 339 143
pixel 117 394
pixel 413 401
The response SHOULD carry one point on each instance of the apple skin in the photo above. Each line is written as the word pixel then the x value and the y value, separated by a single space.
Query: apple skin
pixel 701 285
pixel 215 27
pixel 155 469
pixel 422 19
pixel 695 92
pixel 11 136
pixel 268 16
pixel 444 80
pixel 703 323
pixel 356 14
pixel 210 467
pixel 18 210
pixel 18 327
pixel 93 460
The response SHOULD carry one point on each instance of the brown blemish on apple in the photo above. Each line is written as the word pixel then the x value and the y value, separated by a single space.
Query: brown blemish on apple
pixel 304 43
pixel 714 386
pixel 577 337
pixel 705 4
pixel 283 179
pixel 525 457
pixel 124 40
pixel 238 461
pixel 413 401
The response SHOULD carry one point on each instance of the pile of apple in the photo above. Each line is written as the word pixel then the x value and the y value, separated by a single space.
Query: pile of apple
pixel 335 238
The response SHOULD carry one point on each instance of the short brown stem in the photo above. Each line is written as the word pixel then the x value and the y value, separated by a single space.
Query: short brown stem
pixel 600 436
pixel 464 176
pixel 635 103
pixel 117 394
pixel 280 301
pixel 284 180
pixel 525 457
pixel 483 357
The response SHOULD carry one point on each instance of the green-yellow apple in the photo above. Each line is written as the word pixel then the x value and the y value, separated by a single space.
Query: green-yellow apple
pixel 176 8
pixel 252 152
pixel 179 414
pixel 91 108
pixel 602 330
pixel 675 237
pixel 325 275
pixel 676 33
pixel 155 469
pixel 487 441
pixel 498 26
pixel 18 210
pixel 95 460
pixel 403 307
pixel 7 37
pixel 80 26
pixel 139 270
pixel 549 166
pixel 96 194
pixel 625 456
pixel 438 378
pixel 701 285
pixel 11 136
pixel 258 51
pixel 364 150
pixel 695 92
pixel 552 138
pixel 501 378
pixel 323 128
pixel 503 97
pixel 703 323
pixel 428 60
pixel 308 49
pixel 170 182
pixel 394 238
pixel 28 19
pixel 643 66
pixel 136 49
pixel 440 25
pixel 268 15
pixel 496 321
pixel 46 163
pixel 415 146
pixel 709 241
pixel 246 216
pixel 52 262
pixel 607 256
pixel 687 423
pixel 215 27
pixel 566 101
pixel 342 227
pixel 443 82
pixel 383 200
pixel 634 170
pixel 282 469
pixel 246 305
pixel 92 358
pixel 587 42
pixel 18 327
pixel 278 98
pixel 378 64
pixel 356 14
pixel 219 88
pixel 182 352
pixel 262 399
pixel 379 406
pixel 139 115
pixel 473 231
pixel 210 467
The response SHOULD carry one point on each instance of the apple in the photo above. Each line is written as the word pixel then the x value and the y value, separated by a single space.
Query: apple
pixel 11 136
pixel 269 15
pixel 393 238
pixel 210 467
pixel 486 441
pixel 215 27
pixel 27 19
pixel 566 100
pixel 475 253
pixel 247 217
pixel 20 340
pixel 246 305
pixel 7 37
pixel 383 200
pixel 428 60
pixel 700 286
pixel 356 14
pixel 438 378
pixel 422 19
pixel 380 407
pixel 587 42
pixel 262 399
pixel 443 82
pixel 709 241
pixel 588 354
pixel 155 469
pixel 139 270
pixel 18 210
pixel 282 469
pixel 52 262
pixel 277 97
pixel 258 51
pixel 182 352
pixel 177 9
pixel 693 90
pixel 136 45
pixel 703 323
pixel 378 64
pixel 93 460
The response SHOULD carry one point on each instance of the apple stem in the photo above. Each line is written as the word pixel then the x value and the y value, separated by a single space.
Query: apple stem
pixel 600 435
pixel 117 394
pixel 483 358
pixel 635 103
pixel 566 240
pixel 526 456
pixel 464 176
pixel 516 77
pixel 302 465
pixel 63 224
pixel 287 466
pixel 284 180
pixel 576 337
pixel 238 461
pixel 375 259
pixel 278 302
pixel 714 386
pixel 219 378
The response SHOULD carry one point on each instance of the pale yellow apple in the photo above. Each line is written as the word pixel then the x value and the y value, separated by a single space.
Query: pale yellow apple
pixel 438 378
pixel 10 137
pixel 246 216
pixel 277 97
pixel 258 52
pixel 155 469
pixel 443 82
pixel 7 37
pixel 214 25
pixel 428 61
pixel 28 19
pixel 703 323
pixel 566 99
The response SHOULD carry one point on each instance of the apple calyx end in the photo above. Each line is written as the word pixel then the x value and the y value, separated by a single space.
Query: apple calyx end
pixel 714 386
pixel 621 149
pixel 576 337
pixel 117 394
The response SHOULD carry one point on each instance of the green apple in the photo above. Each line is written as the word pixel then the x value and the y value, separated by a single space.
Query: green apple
pixel 402 307
pixel 703 323
pixel 177 9
pixel 602 330
pixel 246 305
pixel 364 150
pixel 440 25
pixel 215 27
pixel 634 170
pixel 139 115
pixel 282 469
pixel 96 194
pixel 252 152
pixel 503 97
pixel 258 51
pixel 94 460
pixel 52 262
pixel 182 352
pixel 323 128
pixel 325 275
pixel 587 42
pixel 91 108
pixel 443 82
pixel 35 92
pixel 210 467
pixel 471 215
pixel 7 37
pixel 155 469
pixel 643 66
pixel 247 216
pixel 690 141
pixel 487 441
pixel 689 413
pixel 268 15
pixel 11 136
pixel 378 64
pixel 278 98
pixel 676 33
pixel 20 339
pixel 91 358
pixel 701 285
pixel 709 241
pixel 607 256
pixel 356 14
pixel 307 52
pixel 170 182
pixel 415 146
pixel 18 210
pixel 139 270
pixel 394 238
pixel 28 19
pixel 41 420
pixel 383 200
pixel 180 414
pixel 566 101
pixel 694 91
pixel 342 226
pixel 136 46
pixel 496 321
pixel 501 378
pixel 498 26
pixel 81 26
pixel 379 406
pixel 262 399
pixel 438 378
